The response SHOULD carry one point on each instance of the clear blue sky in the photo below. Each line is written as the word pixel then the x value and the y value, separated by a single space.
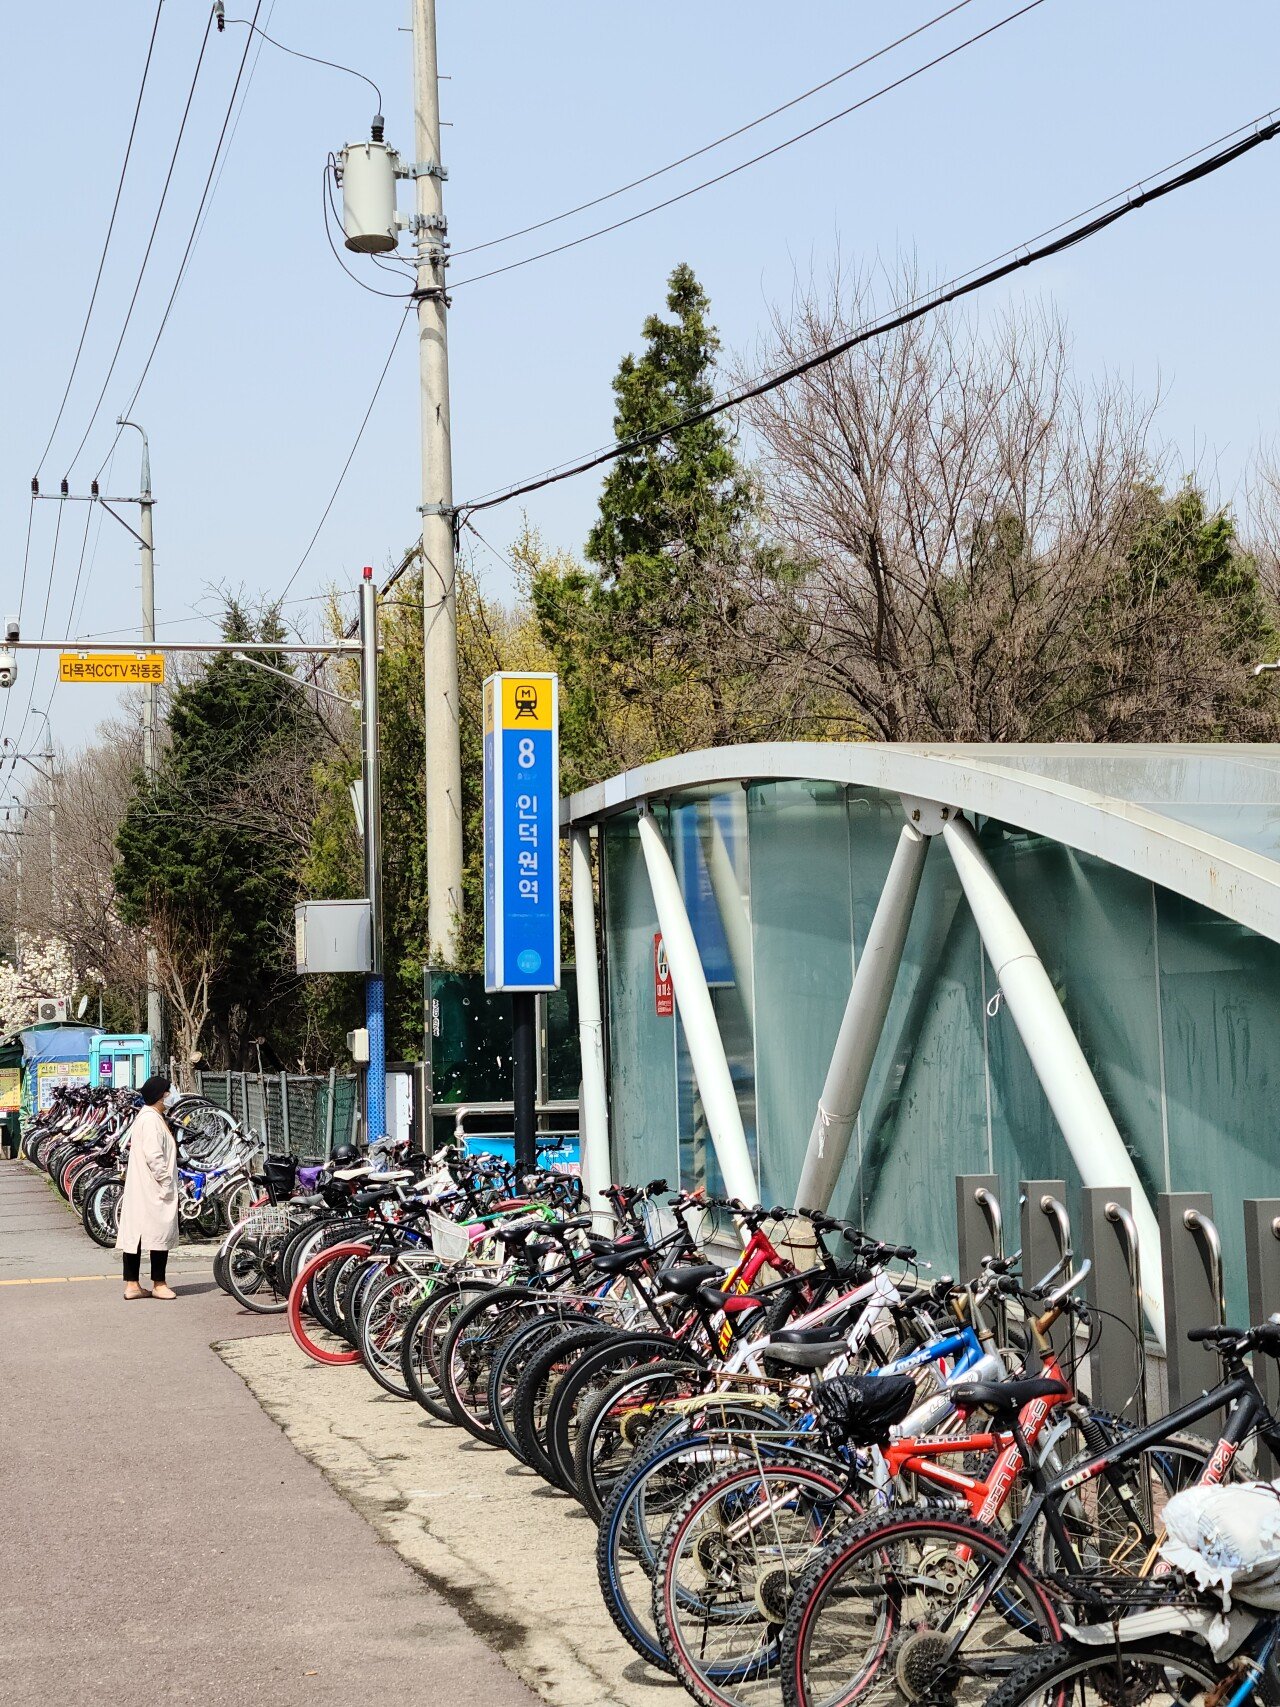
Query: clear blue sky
pixel 271 353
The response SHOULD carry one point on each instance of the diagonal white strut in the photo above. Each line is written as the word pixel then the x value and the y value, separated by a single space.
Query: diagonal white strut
pixel 702 1034
pixel 1078 1105
pixel 863 1022
pixel 596 1167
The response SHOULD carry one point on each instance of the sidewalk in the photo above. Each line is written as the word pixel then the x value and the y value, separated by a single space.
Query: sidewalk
pixel 162 1541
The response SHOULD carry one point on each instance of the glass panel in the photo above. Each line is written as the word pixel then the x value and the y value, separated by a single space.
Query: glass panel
pixel 642 1080
pixel 802 935
pixel 1220 1000
pixel 564 1057
pixel 1092 926
pixel 708 842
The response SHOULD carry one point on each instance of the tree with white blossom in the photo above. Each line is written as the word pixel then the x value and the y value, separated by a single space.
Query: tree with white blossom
pixel 43 969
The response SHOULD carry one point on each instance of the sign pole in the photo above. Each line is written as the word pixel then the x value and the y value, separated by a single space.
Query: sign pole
pixel 371 775
pixel 522 871
pixel 524 1077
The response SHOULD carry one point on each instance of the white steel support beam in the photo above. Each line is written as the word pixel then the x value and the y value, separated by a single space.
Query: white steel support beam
pixel 1078 1105
pixel 596 1166
pixel 863 1022
pixel 706 1048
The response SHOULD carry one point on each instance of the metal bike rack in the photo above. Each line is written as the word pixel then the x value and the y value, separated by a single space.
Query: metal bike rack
pixel 979 1223
pixel 1046 1238
pixel 1118 1360
pixel 1191 1258
pixel 1262 1267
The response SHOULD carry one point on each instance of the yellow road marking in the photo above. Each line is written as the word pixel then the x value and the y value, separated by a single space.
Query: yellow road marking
pixel 57 1280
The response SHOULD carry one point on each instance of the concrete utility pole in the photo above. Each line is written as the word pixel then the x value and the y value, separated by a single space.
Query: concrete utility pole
pixel 371 779
pixel 439 600
pixel 150 702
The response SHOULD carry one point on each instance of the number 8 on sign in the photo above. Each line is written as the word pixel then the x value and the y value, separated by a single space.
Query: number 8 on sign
pixel 521 832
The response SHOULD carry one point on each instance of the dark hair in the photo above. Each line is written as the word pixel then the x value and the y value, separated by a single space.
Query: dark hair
pixel 156 1087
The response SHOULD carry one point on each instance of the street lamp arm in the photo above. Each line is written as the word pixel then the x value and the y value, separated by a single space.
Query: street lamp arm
pixel 341 699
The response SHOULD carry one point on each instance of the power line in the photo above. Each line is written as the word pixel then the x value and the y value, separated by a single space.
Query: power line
pixel 309 57
pixel 350 456
pixel 1025 255
pixel 186 254
pixel 146 254
pixel 106 242
pixel 717 142
pixel 766 154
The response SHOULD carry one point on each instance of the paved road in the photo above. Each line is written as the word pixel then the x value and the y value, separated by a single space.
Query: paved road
pixel 160 1540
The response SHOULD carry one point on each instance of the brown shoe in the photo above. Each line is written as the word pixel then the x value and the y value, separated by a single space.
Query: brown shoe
pixel 160 1290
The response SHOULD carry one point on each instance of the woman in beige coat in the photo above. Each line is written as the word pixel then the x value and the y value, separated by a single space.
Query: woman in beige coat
pixel 149 1206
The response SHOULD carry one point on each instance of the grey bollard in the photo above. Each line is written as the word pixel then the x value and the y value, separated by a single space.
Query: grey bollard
pixel 1042 1245
pixel 1262 1265
pixel 1117 1363
pixel 979 1231
pixel 1191 1293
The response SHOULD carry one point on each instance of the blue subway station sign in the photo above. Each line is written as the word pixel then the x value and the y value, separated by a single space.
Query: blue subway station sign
pixel 521 832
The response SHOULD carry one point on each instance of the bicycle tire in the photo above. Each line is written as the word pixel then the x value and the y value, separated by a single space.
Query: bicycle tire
pixel 1066 1663
pixel 302 1337
pixel 254 1255
pixel 585 1380
pixel 619 1410
pixel 424 1335
pixel 509 1364
pixel 812 1649
pixel 762 1577
pixel 467 1354
pixel 530 1408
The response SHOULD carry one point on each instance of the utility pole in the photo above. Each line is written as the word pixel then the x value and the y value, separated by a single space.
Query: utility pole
pixel 150 702
pixel 375 1101
pixel 439 600
pixel 9 751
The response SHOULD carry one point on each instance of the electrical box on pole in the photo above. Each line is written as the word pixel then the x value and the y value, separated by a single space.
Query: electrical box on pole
pixel 368 173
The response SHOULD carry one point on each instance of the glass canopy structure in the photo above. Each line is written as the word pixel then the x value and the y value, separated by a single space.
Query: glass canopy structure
pixel 893 964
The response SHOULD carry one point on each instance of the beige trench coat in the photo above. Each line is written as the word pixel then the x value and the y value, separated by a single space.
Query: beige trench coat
pixel 149 1206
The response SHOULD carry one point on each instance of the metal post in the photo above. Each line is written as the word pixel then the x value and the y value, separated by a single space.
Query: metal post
pixel 1078 1105
pixel 524 1076
pixel 439 602
pixel 706 1048
pixel 150 700
pixel 596 1167
pixel 864 1017
pixel 1046 1236
pixel 329 1112
pixel 1192 1288
pixel 1262 1263
pixel 284 1112
pixel 371 782
pixel 979 1222
pixel 1118 1360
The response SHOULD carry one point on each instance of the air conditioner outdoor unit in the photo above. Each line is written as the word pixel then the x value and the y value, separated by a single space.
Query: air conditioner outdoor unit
pixel 50 1008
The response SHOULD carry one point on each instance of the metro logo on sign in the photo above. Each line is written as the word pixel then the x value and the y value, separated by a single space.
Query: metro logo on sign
pixel 664 995
pixel 521 832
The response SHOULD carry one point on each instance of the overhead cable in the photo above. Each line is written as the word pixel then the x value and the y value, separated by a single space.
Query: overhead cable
pixel 146 254
pixel 1080 230
pixel 186 254
pixel 324 516
pixel 717 142
pixel 106 242
pixel 765 154
pixel 311 59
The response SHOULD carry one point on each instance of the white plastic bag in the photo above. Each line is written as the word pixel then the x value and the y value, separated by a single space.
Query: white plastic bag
pixel 1228 1539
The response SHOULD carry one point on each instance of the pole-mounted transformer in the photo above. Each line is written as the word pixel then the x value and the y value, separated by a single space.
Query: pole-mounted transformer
pixel 368 173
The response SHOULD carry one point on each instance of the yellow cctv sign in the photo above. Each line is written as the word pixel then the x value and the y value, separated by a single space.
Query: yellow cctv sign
pixel 112 669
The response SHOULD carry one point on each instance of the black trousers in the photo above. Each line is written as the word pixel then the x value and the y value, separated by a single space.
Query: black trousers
pixel 133 1265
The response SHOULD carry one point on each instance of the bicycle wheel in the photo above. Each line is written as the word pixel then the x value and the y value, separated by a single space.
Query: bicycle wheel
pixel 727 1567
pixel 302 1334
pixel 253 1266
pixel 531 1405
pixel 874 1616
pixel 383 1312
pixel 640 1507
pixel 101 1210
pixel 425 1335
pixel 592 1373
pixel 509 1365
pixel 619 1420
pixel 1158 1671
pixel 466 1360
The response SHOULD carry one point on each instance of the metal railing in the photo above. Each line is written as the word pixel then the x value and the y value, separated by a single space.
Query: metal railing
pixel 306 1113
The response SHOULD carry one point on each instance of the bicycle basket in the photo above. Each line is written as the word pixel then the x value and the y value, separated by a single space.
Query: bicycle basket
pixel 282 1173
pixel 269 1219
pixel 449 1241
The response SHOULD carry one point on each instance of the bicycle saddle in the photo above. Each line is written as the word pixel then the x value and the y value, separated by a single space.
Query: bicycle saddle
pixel 688 1281
pixel 1005 1398
pixel 804 1348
